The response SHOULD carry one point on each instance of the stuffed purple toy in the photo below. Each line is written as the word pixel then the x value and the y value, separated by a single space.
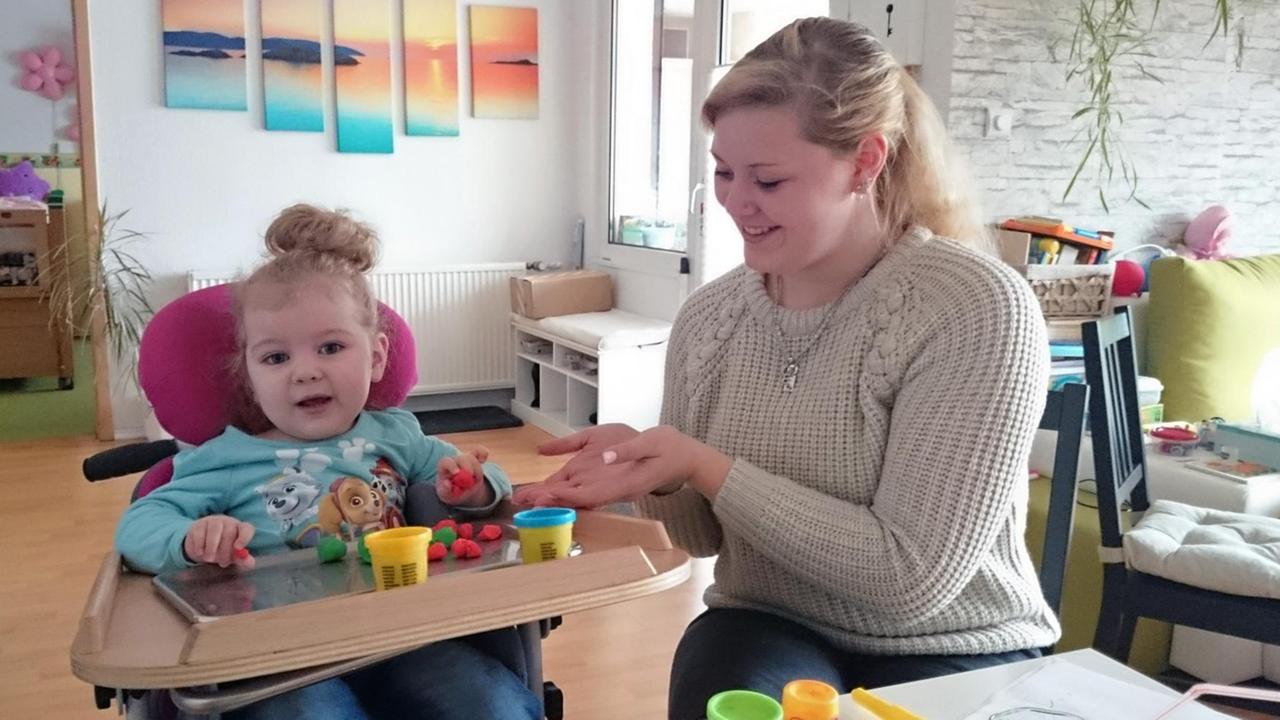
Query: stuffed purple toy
pixel 21 181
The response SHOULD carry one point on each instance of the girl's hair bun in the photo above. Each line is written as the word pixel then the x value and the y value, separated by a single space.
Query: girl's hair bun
pixel 307 229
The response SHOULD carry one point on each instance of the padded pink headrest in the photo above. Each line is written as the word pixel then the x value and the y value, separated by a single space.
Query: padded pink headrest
pixel 187 350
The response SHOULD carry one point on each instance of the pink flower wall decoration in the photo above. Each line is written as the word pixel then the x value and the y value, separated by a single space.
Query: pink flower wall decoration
pixel 45 72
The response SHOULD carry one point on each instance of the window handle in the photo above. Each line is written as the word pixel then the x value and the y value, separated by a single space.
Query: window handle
pixel 693 196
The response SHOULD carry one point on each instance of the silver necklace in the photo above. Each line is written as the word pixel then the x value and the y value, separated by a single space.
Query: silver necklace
pixel 791 369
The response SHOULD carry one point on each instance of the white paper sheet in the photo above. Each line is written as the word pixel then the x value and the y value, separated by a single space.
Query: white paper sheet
pixel 1059 690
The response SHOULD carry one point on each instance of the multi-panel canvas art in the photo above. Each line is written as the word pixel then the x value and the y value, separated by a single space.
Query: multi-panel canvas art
pixel 504 62
pixel 362 72
pixel 204 66
pixel 430 67
pixel 292 82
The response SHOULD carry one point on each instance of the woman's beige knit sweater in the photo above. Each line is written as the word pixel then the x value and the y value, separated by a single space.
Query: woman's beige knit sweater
pixel 882 502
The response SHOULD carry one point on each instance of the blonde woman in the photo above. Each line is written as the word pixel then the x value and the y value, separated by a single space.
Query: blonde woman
pixel 847 417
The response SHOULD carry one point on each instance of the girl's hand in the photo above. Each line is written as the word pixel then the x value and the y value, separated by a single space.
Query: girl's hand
pixel 453 489
pixel 215 539
pixel 615 463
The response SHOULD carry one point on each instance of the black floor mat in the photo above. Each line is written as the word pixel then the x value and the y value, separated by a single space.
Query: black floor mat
pixel 487 417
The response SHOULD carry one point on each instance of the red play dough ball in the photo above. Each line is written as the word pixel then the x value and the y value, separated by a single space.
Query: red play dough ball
pixel 490 532
pixel 446 523
pixel 462 481
pixel 436 551
pixel 465 531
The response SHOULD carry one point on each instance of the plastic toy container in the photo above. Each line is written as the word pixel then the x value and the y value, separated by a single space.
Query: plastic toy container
pixel 545 533
pixel 743 705
pixel 810 700
pixel 399 556
pixel 1175 440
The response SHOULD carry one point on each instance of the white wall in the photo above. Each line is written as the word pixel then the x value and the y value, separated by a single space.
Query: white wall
pixel 1206 135
pixel 205 184
pixel 30 122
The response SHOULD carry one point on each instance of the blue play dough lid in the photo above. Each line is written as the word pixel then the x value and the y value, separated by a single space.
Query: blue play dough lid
pixel 544 517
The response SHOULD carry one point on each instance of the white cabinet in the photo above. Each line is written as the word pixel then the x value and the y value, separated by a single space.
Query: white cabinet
pixel 576 371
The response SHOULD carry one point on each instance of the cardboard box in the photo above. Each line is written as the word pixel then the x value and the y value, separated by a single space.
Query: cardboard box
pixel 539 295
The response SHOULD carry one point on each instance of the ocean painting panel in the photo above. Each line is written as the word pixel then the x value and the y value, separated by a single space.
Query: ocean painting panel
pixel 204 65
pixel 431 67
pixel 292 96
pixel 362 70
pixel 504 62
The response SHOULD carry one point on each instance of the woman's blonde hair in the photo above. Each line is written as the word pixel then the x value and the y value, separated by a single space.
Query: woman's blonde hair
pixel 843 85
pixel 305 243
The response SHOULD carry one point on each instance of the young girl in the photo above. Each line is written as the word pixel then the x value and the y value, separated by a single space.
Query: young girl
pixel 311 461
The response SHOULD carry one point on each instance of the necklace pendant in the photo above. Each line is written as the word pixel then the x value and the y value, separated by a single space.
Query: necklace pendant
pixel 789 375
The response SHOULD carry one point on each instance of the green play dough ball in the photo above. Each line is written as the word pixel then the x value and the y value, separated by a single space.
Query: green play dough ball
pixel 331 549
pixel 445 535
pixel 363 551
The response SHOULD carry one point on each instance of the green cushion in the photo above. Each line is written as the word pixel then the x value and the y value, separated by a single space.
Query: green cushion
pixel 1209 323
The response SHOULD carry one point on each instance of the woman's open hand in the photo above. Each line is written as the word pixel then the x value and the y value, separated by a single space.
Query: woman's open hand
pixel 615 463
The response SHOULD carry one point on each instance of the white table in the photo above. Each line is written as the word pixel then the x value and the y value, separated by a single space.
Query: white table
pixel 951 697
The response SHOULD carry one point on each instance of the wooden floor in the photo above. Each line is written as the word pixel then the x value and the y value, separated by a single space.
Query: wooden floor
pixel 611 662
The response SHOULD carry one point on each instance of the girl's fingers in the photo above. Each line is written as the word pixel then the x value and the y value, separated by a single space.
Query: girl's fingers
pixel 480 453
pixel 447 467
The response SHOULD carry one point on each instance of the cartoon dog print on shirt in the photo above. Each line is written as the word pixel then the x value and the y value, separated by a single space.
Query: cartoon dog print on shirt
pixel 351 508
pixel 291 496
pixel 392 486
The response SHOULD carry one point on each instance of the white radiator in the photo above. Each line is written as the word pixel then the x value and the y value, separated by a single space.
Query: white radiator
pixel 459 317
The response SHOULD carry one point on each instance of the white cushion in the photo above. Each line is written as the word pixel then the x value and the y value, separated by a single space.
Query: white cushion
pixel 603 330
pixel 1211 549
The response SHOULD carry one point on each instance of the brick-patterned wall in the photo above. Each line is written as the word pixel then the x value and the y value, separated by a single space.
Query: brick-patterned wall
pixel 1209 133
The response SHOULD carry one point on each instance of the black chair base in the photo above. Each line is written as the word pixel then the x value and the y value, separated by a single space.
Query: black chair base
pixel 552 701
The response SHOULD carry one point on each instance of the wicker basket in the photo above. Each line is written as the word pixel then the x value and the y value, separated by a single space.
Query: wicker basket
pixel 1074 291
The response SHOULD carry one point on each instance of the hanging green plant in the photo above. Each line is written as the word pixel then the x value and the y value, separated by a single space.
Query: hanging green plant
pixel 1109 36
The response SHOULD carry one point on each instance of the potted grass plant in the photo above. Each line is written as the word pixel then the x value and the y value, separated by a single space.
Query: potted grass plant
pixel 106 288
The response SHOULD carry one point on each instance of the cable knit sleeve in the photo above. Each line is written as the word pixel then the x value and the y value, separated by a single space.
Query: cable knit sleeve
pixel 686 513
pixel 959 368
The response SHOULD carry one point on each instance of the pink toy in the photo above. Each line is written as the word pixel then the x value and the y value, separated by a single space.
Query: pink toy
pixel 21 180
pixel 45 72
pixel 1128 279
pixel 466 531
pixel 489 532
pixel 1208 236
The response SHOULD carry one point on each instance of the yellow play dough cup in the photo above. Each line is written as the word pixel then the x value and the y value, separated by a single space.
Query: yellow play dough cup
pixel 545 533
pixel 399 556
pixel 810 700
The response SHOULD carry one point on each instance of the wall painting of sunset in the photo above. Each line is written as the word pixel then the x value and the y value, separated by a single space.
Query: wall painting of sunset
pixel 504 62
pixel 291 77
pixel 204 54
pixel 430 68
pixel 362 70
